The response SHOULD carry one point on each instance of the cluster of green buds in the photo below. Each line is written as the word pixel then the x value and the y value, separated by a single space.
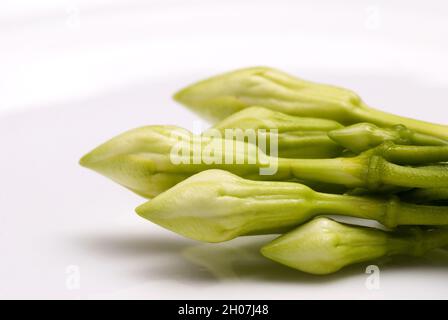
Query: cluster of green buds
pixel 281 153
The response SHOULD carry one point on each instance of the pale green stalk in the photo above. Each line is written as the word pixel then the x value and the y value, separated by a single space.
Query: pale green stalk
pixel 429 195
pixel 363 136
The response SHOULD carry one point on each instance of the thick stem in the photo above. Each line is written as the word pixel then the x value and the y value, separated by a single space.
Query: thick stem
pixel 366 171
pixel 416 242
pixel 411 177
pixel 390 213
pixel 352 206
pixel 426 140
pixel 384 119
pixel 415 155
pixel 434 239
pixel 412 214
pixel 425 195
pixel 343 171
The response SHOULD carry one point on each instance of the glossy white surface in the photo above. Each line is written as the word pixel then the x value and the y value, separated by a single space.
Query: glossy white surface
pixel 75 74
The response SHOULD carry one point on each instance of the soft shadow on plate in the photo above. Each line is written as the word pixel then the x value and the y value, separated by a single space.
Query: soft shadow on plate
pixel 172 258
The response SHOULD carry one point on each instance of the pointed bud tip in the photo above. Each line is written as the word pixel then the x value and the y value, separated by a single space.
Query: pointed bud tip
pixel 90 159
pixel 85 161
pixel 179 95
pixel 144 210
pixel 141 210
pixel 183 95
pixel 357 138
pixel 268 252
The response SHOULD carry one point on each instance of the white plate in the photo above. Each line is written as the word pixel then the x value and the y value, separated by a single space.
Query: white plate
pixel 68 85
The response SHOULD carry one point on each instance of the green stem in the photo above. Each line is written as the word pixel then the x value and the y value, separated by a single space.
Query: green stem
pixel 415 155
pixel 412 214
pixel 412 177
pixel 343 171
pixel 352 206
pixel 381 118
pixel 426 140
pixel 433 239
pixel 390 213
pixel 417 242
pixel 426 195
pixel 366 171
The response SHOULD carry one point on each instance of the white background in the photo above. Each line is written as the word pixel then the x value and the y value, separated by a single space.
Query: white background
pixel 75 73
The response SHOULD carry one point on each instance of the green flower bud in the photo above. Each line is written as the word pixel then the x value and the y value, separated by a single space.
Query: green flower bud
pixel 137 158
pixel 216 206
pixel 219 97
pixel 324 246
